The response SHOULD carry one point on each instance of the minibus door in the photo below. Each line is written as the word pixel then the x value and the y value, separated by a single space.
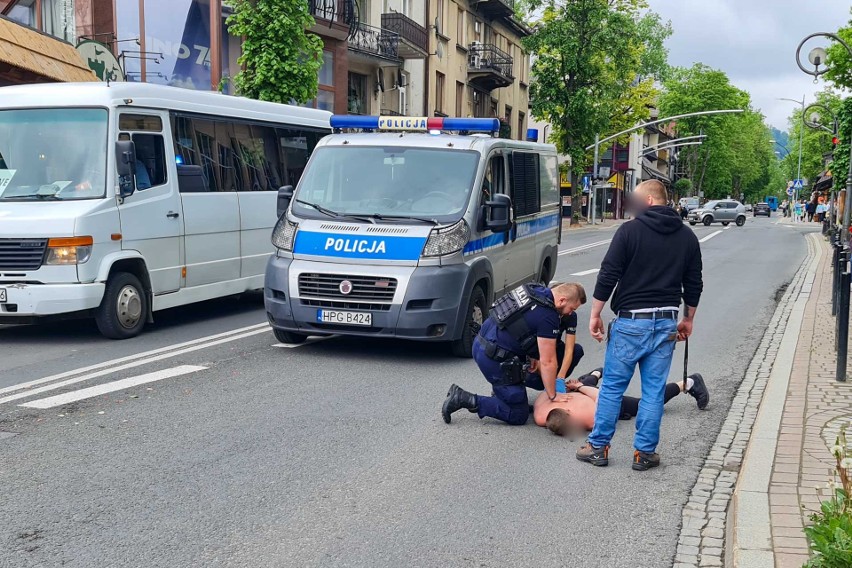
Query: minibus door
pixel 151 218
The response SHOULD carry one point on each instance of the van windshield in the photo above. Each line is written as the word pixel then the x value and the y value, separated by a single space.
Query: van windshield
pixel 396 182
pixel 53 154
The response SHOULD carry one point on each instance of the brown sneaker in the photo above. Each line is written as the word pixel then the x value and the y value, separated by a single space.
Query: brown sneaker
pixel 644 462
pixel 595 456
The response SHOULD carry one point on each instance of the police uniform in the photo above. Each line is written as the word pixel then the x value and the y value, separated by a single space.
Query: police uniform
pixel 567 326
pixel 506 339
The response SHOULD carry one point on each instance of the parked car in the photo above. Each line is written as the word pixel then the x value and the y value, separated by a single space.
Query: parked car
pixel 748 207
pixel 723 211
pixel 762 209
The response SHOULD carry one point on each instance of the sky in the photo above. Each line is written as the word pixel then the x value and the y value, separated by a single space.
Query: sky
pixel 754 42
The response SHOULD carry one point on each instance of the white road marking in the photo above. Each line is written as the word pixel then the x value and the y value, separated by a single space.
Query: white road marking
pixel 704 240
pixel 584 247
pixel 131 365
pixel 728 227
pixel 586 272
pixel 82 394
pixel 113 362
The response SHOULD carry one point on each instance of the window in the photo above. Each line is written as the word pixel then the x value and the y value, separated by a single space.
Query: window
pixel 479 103
pixel 460 99
pixel 140 122
pixel 622 155
pixel 493 113
pixel 24 13
pixel 57 20
pixel 508 119
pixel 495 176
pixel 150 160
pixel 526 183
pixel 243 156
pixel 460 27
pixel 440 87
pixel 521 130
pixel 549 180
pixel 325 93
pixel 439 20
pixel 357 94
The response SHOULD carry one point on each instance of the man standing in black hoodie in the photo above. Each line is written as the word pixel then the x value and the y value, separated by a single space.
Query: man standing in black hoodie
pixel 653 263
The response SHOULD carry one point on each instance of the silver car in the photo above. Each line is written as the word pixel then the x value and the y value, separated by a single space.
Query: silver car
pixel 723 211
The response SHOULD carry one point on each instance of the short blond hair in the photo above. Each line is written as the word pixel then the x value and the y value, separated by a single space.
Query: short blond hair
pixel 570 290
pixel 656 190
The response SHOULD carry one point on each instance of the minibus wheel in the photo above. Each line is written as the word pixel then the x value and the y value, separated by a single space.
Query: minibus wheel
pixel 289 336
pixel 476 313
pixel 124 307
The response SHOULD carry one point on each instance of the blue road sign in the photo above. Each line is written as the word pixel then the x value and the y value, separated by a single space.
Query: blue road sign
pixel 789 191
pixel 797 184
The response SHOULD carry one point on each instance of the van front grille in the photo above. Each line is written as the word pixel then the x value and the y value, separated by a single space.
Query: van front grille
pixel 22 254
pixel 362 288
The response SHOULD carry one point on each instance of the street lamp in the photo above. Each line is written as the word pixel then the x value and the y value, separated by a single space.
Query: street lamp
pixel 817 58
pixel 801 140
pixel 812 120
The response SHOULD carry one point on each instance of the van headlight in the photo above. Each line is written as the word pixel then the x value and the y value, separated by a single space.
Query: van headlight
pixel 447 240
pixel 68 251
pixel 284 234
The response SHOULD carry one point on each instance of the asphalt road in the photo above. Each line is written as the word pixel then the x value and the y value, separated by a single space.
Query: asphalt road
pixel 245 453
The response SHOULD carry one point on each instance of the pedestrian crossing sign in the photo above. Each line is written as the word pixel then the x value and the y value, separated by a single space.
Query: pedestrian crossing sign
pixel 798 184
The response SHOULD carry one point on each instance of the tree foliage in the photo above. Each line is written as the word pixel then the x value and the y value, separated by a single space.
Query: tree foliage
pixel 736 158
pixel 838 61
pixel 816 143
pixel 596 62
pixel 281 59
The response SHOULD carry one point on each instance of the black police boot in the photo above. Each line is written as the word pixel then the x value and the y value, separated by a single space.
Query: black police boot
pixel 458 398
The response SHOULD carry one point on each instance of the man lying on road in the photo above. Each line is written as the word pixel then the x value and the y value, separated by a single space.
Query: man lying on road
pixel 573 413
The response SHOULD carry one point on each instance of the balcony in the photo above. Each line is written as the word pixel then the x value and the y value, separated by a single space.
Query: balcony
pixel 489 67
pixel 375 43
pixel 333 17
pixel 413 38
pixel 495 8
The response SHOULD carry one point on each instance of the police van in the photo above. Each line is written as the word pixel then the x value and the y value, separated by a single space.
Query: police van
pixel 410 227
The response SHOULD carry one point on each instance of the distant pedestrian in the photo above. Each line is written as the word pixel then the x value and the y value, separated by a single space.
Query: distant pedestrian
pixel 653 263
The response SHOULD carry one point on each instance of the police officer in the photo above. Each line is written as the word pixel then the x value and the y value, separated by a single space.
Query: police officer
pixel 524 323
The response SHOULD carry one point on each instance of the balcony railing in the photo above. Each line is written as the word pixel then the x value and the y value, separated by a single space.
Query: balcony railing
pixel 389 112
pixel 407 29
pixel 495 8
pixel 377 42
pixel 342 11
pixel 489 65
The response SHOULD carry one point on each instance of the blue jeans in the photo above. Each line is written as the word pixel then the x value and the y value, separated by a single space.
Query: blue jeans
pixel 648 343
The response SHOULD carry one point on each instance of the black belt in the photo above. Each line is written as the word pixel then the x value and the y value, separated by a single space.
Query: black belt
pixel 667 314
pixel 494 351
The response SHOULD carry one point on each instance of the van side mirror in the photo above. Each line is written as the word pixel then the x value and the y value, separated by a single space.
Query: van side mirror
pixel 285 194
pixel 125 165
pixel 498 213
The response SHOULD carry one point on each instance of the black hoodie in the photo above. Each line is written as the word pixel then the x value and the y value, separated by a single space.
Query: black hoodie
pixel 655 260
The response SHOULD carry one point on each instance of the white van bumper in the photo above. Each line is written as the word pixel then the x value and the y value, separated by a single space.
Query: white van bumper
pixel 36 300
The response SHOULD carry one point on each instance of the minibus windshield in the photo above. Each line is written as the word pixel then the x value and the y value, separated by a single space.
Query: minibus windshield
pixel 53 154
pixel 384 183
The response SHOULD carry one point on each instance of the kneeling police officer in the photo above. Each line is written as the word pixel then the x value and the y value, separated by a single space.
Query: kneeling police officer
pixel 523 323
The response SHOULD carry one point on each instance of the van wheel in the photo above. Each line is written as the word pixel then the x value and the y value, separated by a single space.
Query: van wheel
pixel 725 223
pixel 708 220
pixel 477 312
pixel 545 276
pixel 124 307
pixel 692 223
pixel 289 336
pixel 741 220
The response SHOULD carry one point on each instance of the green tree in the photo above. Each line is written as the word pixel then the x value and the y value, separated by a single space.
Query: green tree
pixel 683 187
pixel 838 62
pixel 281 59
pixel 595 65
pixel 816 143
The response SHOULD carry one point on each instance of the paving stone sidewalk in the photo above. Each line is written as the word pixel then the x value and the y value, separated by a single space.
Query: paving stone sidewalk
pixel 816 408
pixel 706 526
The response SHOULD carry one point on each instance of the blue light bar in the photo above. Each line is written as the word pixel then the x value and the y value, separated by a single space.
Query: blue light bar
pixel 415 123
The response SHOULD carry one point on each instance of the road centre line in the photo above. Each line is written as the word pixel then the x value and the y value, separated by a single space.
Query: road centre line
pixel 131 365
pixel 74 396
pixel 587 272
pixel 113 362
pixel 584 247
pixel 704 240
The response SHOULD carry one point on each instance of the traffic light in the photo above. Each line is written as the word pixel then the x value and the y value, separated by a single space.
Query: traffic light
pixel 835 140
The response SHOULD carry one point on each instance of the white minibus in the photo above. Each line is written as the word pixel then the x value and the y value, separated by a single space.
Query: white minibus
pixel 119 200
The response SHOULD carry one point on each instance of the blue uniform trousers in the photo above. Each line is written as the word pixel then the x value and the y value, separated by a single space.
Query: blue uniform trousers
pixel 509 402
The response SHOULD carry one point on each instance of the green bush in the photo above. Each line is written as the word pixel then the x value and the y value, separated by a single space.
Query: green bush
pixel 830 536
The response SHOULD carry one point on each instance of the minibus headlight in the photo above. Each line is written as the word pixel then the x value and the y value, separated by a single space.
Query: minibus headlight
pixel 447 240
pixel 74 250
pixel 284 234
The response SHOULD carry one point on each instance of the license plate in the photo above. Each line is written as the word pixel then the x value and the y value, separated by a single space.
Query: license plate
pixel 2 295
pixel 345 318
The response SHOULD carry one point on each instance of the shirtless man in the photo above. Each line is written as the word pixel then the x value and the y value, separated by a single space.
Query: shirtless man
pixel 573 413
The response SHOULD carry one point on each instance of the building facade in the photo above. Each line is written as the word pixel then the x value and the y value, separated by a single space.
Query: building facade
pixel 476 65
